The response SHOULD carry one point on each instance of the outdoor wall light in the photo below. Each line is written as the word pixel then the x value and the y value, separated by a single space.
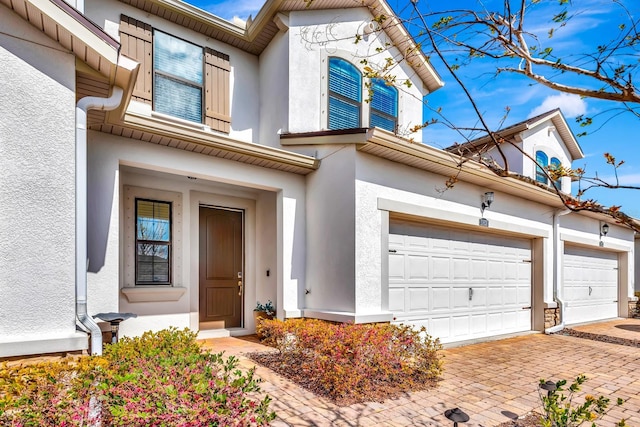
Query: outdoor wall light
pixel 604 229
pixel 487 200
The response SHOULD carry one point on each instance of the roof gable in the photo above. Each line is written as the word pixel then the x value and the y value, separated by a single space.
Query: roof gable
pixel 260 31
pixel 511 133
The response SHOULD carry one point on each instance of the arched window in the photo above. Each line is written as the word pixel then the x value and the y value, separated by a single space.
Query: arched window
pixel 542 161
pixel 345 94
pixel 555 164
pixel 384 105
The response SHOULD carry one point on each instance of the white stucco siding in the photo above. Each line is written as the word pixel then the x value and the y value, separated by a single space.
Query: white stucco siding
pixel 274 90
pixel 37 159
pixel 244 79
pixel 514 156
pixel 636 251
pixel 411 187
pixel 331 222
pixel 314 36
pixel 274 208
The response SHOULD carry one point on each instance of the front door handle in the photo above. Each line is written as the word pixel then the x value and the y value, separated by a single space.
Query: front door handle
pixel 239 288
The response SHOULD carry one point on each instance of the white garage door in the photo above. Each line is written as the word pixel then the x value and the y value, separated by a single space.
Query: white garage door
pixel 459 284
pixel 590 280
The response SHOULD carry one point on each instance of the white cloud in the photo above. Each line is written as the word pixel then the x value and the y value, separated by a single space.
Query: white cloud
pixel 571 105
pixel 233 9
pixel 624 179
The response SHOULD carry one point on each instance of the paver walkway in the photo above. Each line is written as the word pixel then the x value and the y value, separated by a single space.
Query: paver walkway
pixel 482 379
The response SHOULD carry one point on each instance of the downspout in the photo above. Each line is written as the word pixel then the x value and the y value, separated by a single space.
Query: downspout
pixel 557 266
pixel 85 104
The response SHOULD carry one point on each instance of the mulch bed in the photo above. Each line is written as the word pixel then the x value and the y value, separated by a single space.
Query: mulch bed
pixel 529 420
pixel 379 393
pixel 597 337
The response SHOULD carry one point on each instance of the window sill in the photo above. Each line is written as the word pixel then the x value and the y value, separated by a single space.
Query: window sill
pixel 153 293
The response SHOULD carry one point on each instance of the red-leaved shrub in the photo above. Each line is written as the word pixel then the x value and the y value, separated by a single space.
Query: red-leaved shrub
pixel 160 379
pixel 348 362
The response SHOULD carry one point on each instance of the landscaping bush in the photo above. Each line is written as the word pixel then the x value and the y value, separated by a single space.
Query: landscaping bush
pixel 561 411
pixel 350 363
pixel 159 379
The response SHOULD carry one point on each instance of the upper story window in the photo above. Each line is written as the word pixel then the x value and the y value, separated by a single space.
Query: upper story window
pixel 384 105
pixel 554 165
pixel 177 77
pixel 345 94
pixel 153 242
pixel 542 161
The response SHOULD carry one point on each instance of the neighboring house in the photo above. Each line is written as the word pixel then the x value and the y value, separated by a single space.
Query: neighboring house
pixel 229 165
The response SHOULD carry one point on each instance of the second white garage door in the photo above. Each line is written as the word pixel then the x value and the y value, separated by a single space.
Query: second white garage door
pixel 459 284
pixel 590 284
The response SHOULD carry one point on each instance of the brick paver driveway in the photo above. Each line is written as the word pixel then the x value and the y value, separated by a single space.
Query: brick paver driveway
pixel 482 379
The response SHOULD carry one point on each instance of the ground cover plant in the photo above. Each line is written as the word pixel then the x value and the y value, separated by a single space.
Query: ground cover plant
pixel 351 363
pixel 159 379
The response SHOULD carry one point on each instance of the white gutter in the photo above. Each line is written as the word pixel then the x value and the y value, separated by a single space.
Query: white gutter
pixel 85 104
pixel 557 266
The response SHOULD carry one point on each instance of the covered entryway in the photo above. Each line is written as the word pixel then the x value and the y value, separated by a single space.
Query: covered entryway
pixel 460 284
pixel 221 268
pixel 590 284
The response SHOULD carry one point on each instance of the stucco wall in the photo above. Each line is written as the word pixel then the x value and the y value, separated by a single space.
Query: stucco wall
pixel 274 90
pixel 331 231
pixel 37 160
pixel 274 221
pixel 316 35
pixel 637 265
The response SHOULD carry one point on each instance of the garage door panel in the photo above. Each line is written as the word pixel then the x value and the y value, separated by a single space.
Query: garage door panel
pixel 396 267
pixel 478 323
pixel 494 270
pixel 510 295
pixel 460 325
pixel 419 299
pixel 439 327
pixel 479 299
pixel 590 284
pixel 396 300
pixel 418 267
pixel 460 298
pixel 478 269
pixel 440 268
pixel 495 297
pixel 461 269
pixel 441 299
pixel 494 267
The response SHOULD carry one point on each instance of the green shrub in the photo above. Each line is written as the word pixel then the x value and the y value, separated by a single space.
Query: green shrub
pixel 354 362
pixel 560 410
pixel 159 379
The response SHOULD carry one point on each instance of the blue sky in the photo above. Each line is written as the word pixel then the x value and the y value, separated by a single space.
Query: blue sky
pixel 599 21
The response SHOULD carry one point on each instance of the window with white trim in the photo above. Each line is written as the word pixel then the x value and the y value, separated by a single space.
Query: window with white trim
pixel 555 164
pixel 345 94
pixel 153 242
pixel 542 161
pixel 383 106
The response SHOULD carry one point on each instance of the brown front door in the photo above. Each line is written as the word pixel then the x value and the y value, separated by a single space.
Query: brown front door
pixel 221 272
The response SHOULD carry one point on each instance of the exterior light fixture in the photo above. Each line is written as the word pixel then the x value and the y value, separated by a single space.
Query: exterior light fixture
pixel 604 229
pixel 456 415
pixel 487 200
